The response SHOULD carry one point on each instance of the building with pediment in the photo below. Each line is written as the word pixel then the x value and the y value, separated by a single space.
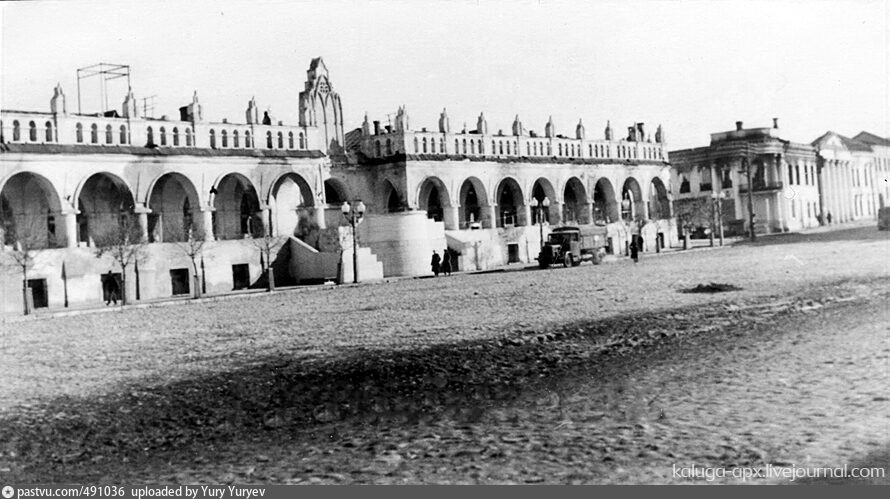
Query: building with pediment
pixel 792 186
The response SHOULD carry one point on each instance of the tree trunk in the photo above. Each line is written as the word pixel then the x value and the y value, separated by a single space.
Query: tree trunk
pixel 25 306
pixel 123 285
pixel 196 280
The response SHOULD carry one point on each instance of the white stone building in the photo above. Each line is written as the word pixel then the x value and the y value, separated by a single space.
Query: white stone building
pixel 793 186
pixel 67 177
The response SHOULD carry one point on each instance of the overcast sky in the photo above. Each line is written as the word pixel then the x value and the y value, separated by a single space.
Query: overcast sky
pixel 695 66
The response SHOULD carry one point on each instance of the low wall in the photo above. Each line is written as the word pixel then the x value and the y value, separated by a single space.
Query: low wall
pixel 403 242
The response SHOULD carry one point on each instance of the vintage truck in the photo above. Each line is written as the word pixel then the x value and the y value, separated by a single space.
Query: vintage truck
pixel 570 246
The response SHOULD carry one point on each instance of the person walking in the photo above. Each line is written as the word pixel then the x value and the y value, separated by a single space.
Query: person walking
pixel 828 217
pixel 446 262
pixel 634 249
pixel 112 288
pixel 435 263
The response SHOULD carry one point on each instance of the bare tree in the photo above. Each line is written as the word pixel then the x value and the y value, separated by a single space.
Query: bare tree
pixel 692 213
pixel 124 243
pixel 193 248
pixel 28 238
pixel 267 245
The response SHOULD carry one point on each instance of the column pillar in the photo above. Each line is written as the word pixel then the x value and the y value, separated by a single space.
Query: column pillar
pixel 319 215
pixel 71 229
pixel 207 217
pixel 555 212
pixel 488 216
pixel 265 218
pixel 736 196
pixel 142 219
pixel 524 214
pixel 587 213
pixel 451 217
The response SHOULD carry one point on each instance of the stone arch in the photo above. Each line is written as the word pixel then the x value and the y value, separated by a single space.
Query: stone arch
pixel 510 203
pixel 30 211
pixel 290 199
pixel 102 200
pixel 473 198
pixel 605 204
pixel 335 192
pixel 237 207
pixel 659 204
pixel 175 209
pixel 433 197
pixel 389 197
pixel 575 202
pixel 632 207
pixel 542 188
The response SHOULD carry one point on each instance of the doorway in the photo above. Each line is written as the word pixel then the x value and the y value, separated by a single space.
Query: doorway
pixel 513 253
pixel 179 281
pixel 39 296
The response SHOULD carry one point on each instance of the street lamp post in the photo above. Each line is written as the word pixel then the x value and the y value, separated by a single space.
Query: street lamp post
pixel 718 198
pixel 542 204
pixel 354 215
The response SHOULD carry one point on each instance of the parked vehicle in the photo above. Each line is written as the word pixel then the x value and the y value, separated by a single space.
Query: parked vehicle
pixel 570 246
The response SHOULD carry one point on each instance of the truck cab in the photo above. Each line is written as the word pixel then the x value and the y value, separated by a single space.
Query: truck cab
pixel 572 245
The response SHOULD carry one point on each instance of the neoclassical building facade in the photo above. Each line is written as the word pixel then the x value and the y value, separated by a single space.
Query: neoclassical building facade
pixel 792 185
pixel 66 177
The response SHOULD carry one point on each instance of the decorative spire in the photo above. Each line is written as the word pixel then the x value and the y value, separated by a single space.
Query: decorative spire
pixel 549 128
pixel 444 123
pixel 57 103
pixel 252 113
pixel 482 125
pixel 517 127
pixel 130 109
pixel 579 130
pixel 608 132
pixel 366 126
pixel 659 135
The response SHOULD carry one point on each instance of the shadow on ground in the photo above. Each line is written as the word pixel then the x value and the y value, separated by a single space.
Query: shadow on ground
pixel 846 234
pixel 274 398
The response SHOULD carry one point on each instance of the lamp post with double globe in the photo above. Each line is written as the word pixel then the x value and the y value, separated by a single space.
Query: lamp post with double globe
pixel 354 215
pixel 542 204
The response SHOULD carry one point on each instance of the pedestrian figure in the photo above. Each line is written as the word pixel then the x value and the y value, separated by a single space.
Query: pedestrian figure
pixel 446 262
pixel 634 250
pixel 828 217
pixel 435 263
pixel 111 283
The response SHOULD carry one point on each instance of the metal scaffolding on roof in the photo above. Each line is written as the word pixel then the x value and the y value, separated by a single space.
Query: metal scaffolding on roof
pixel 106 72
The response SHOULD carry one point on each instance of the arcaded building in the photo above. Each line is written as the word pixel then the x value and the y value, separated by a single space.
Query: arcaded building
pixel 66 178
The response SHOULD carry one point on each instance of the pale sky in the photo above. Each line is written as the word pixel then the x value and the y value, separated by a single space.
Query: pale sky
pixel 694 66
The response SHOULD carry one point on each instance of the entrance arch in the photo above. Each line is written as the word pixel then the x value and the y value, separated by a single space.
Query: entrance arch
pixel 175 209
pixel 605 206
pixel 659 205
pixel 632 201
pixel 335 193
pixel 574 199
pixel 510 203
pixel 102 200
pixel 472 198
pixel 433 197
pixel 30 212
pixel 290 200
pixel 237 208
pixel 390 198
